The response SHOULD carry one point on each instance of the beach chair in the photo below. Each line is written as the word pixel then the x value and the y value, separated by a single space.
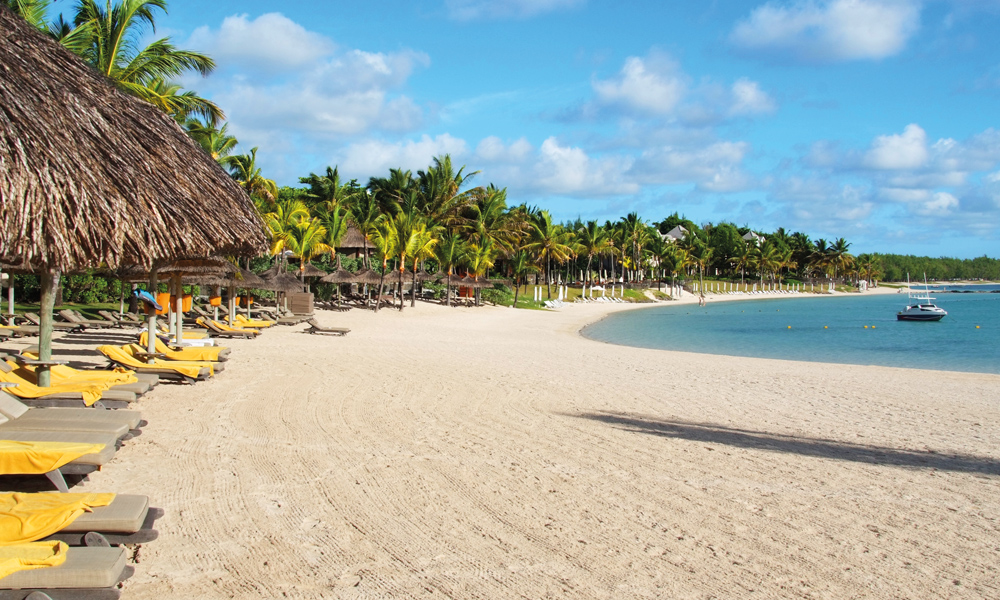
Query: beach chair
pixel 315 327
pixel 55 454
pixel 186 353
pixel 242 321
pixel 222 330
pixel 86 574
pixel 72 317
pixel 65 394
pixel 119 380
pixel 36 321
pixel 77 519
pixel 185 372
pixel 15 415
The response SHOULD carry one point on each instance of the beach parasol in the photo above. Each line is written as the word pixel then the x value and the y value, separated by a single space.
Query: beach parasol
pixel 309 270
pixel 93 176
pixel 283 283
pixel 338 276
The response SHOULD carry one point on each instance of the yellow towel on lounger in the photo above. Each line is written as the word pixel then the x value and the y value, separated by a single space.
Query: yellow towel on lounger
pixel 169 362
pixel 29 517
pixel 210 353
pixel 36 458
pixel 254 323
pixel 26 389
pixel 225 327
pixel 123 355
pixel 63 374
pixel 35 555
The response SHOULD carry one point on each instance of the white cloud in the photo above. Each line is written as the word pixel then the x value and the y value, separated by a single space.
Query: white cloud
pixel 651 85
pixel 569 170
pixel 716 167
pixel 942 203
pixel 471 10
pixel 895 152
pixel 276 78
pixel 492 150
pixel 833 30
pixel 375 157
pixel 749 99
pixel 271 41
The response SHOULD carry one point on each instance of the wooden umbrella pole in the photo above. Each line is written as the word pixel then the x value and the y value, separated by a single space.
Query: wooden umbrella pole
pixel 179 312
pixel 154 286
pixel 232 304
pixel 50 283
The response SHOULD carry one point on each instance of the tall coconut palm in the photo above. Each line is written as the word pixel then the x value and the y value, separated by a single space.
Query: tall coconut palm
pixel 480 258
pixel 365 214
pixel 701 256
pixel 306 240
pixel 214 141
pixel 385 241
pixel 329 191
pixel 488 218
pixel 285 216
pixel 839 259
pixel 76 39
pixel 548 242
pixel 521 266
pixel 114 50
pixel 450 251
pixel 592 240
pixel 245 171
pixel 421 247
pixel 441 194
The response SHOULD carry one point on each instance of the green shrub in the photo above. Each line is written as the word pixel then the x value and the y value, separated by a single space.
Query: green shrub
pixel 498 294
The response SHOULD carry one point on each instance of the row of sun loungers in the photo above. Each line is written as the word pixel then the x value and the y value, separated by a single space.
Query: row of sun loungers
pixel 74 544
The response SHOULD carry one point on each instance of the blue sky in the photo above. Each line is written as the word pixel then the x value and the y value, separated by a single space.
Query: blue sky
pixel 874 120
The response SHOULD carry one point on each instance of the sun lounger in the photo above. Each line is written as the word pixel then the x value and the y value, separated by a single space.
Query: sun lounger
pixel 75 318
pixel 66 394
pixel 218 329
pixel 243 322
pixel 37 322
pixel 86 519
pixel 184 372
pixel 55 454
pixel 315 327
pixel 15 415
pixel 87 574
pixel 210 354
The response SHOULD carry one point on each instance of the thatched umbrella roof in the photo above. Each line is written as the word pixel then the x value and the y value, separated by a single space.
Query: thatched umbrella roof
pixel 275 270
pixel 311 271
pixel 284 282
pixel 339 275
pixel 469 282
pixel 91 175
pixel 244 279
pixel 366 276
pixel 191 269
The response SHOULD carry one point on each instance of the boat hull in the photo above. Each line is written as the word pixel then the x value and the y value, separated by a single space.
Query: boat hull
pixel 902 317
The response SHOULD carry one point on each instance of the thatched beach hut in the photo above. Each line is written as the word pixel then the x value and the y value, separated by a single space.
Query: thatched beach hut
pixel 90 176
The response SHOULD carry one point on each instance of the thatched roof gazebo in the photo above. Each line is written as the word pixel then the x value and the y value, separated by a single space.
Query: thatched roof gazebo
pixel 92 176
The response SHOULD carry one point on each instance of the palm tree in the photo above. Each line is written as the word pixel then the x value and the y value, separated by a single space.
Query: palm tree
pixel 548 242
pixel 422 245
pixel 113 50
pixel 306 240
pixel 839 259
pixel 591 240
pixel 329 191
pixel 384 238
pixel 247 174
pixel 334 220
pixel 216 142
pixel 287 214
pixel 441 195
pixel 742 260
pixel 701 256
pixel 36 12
pixel 479 259
pixel 365 214
pixel 451 252
pixel 521 266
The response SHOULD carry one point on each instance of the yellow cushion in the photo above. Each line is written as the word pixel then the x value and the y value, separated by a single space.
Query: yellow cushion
pixel 30 517
pixel 36 458
pixel 35 555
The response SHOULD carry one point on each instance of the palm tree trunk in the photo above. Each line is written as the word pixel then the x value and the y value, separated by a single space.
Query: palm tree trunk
pixel 447 287
pixel 401 301
pixel 548 275
pixel 381 283
pixel 517 288
pixel 413 292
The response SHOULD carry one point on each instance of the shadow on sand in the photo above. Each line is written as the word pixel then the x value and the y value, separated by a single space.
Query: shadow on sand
pixel 804 446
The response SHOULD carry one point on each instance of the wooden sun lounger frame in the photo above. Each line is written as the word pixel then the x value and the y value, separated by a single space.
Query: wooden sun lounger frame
pixel 315 327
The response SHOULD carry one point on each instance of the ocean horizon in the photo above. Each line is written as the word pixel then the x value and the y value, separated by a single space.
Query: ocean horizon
pixel 844 328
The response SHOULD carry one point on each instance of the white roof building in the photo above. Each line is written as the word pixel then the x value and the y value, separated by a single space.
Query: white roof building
pixel 674 234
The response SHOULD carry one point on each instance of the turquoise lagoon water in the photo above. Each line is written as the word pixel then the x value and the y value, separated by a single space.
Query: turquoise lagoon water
pixel 760 328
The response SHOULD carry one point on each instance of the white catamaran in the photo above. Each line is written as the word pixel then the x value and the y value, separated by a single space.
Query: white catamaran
pixel 919 307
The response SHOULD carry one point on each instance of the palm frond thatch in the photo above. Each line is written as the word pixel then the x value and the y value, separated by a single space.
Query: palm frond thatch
pixel 89 175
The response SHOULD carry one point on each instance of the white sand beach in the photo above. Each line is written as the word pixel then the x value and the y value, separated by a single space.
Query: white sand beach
pixel 496 453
